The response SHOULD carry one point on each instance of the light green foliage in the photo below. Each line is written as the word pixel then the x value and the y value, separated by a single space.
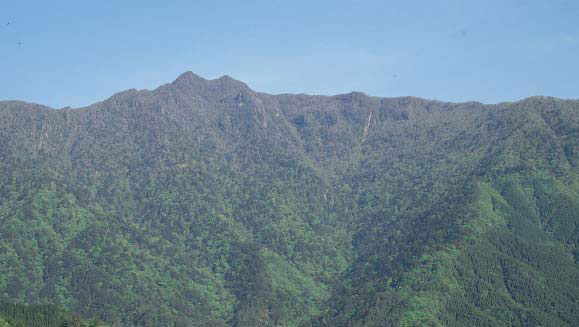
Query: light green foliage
pixel 522 275
pixel 299 290
pixel 203 203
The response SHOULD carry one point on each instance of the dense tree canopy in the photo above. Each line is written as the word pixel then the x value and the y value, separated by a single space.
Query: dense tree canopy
pixel 18 315
pixel 204 203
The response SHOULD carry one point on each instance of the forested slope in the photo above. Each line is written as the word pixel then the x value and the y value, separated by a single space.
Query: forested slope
pixel 19 315
pixel 206 203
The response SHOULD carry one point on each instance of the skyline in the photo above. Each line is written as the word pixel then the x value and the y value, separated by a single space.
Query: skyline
pixel 68 54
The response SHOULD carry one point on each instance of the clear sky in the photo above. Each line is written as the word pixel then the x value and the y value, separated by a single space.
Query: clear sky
pixel 73 53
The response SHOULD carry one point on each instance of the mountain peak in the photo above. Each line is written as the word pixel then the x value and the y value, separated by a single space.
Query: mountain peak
pixel 223 85
pixel 227 78
pixel 189 76
pixel 227 81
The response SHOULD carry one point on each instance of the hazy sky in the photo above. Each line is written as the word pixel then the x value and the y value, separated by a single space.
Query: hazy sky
pixel 63 53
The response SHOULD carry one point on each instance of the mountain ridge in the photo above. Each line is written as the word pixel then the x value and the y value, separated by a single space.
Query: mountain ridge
pixel 196 83
pixel 207 203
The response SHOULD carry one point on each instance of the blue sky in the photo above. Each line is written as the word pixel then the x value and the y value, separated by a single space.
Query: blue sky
pixel 73 53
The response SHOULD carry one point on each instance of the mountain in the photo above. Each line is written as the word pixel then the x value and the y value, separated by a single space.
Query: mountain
pixel 205 203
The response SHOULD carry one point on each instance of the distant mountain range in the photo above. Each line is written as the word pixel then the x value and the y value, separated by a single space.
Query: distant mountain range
pixel 205 203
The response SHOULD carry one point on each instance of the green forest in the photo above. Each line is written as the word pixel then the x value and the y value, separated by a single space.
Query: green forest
pixel 205 203
pixel 46 315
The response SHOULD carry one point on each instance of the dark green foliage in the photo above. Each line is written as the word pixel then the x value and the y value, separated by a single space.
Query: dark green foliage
pixel 203 203
pixel 514 274
pixel 18 315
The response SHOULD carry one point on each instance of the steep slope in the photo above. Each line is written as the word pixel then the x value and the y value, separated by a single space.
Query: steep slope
pixel 436 271
pixel 205 203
